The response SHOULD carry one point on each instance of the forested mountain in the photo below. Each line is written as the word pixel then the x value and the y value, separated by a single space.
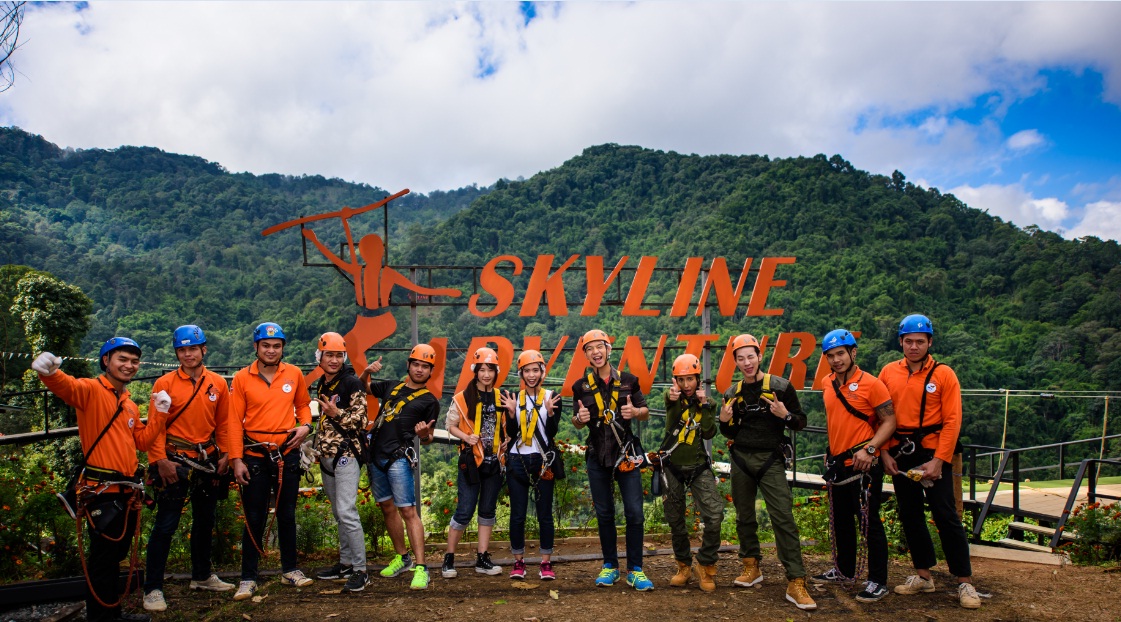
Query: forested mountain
pixel 1016 308
pixel 157 239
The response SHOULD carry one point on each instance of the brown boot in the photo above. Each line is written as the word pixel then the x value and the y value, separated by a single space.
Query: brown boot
pixel 683 575
pixel 797 594
pixel 751 573
pixel 706 576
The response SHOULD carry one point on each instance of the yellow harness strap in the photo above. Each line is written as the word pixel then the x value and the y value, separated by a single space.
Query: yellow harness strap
pixel 599 398
pixel 528 426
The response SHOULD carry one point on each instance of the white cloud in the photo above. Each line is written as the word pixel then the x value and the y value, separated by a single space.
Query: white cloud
pixel 1014 204
pixel 1101 219
pixel 390 94
pixel 1025 139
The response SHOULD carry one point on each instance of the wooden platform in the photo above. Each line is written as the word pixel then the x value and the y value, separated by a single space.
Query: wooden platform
pixel 1045 503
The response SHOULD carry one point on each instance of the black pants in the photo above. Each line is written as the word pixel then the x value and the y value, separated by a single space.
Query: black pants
pixel 940 497
pixel 845 502
pixel 169 507
pixel 257 495
pixel 103 560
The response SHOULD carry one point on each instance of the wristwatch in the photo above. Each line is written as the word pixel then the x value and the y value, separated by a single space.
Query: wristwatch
pixel 871 449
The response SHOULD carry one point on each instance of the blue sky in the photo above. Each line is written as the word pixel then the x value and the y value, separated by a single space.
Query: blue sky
pixel 1013 107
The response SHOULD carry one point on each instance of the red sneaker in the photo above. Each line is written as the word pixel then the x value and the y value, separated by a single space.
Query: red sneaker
pixel 547 571
pixel 519 569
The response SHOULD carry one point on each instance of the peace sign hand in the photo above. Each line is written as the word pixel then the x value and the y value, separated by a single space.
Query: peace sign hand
pixel 327 407
pixel 726 412
pixel 776 406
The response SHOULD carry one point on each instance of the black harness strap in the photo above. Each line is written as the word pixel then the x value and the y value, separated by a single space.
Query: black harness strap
pixel 849 407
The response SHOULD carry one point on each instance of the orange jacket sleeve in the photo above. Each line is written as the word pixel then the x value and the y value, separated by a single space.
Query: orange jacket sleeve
pixel 302 400
pixel 235 416
pixel 144 435
pixel 951 416
pixel 222 416
pixel 67 388
pixel 157 449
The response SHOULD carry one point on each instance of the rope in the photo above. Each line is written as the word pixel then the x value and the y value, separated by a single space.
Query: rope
pixel 862 542
pixel 24 355
pixel 134 551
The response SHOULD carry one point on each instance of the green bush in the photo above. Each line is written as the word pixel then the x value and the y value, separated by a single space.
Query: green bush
pixel 1097 530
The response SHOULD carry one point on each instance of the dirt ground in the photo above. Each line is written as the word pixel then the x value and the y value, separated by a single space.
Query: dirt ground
pixel 1023 592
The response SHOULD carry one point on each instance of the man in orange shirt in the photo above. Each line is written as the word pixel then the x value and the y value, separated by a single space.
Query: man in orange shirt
pixel 860 420
pixel 927 399
pixel 184 463
pixel 269 418
pixel 111 432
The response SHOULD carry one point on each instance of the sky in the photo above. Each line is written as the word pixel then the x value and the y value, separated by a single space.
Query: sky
pixel 1013 107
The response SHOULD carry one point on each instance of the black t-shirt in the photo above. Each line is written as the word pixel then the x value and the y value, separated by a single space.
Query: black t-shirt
pixel 400 430
pixel 601 441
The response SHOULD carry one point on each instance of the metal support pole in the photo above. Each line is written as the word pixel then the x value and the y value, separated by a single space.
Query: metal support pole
pixel 416 441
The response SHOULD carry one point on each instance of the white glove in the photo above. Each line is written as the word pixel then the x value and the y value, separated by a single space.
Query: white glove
pixel 46 363
pixel 308 455
pixel 162 402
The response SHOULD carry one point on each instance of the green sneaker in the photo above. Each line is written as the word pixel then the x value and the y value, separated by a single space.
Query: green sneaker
pixel 420 578
pixel 398 565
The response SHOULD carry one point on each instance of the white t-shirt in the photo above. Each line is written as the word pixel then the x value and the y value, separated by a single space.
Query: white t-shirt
pixel 525 418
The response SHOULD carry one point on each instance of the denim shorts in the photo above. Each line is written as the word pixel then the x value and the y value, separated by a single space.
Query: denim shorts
pixel 396 483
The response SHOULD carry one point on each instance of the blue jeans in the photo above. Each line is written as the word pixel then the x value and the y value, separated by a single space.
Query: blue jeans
pixel 395 482
pixel 255 500
pixel 484 494
pixel 600 481
pixel 520 469
pixel 169 507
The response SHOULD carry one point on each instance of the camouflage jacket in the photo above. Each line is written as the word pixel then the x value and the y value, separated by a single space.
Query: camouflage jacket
pixel 348 394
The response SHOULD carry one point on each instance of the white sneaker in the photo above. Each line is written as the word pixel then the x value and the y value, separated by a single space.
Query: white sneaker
pixel 153 601
pixel 967 596
pixel 245 589
pixel 212 584
pixel 915 585
pixel 295 578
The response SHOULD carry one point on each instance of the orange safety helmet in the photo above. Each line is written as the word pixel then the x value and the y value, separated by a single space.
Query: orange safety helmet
pixel 530 357
pixel 484 355
pixel 424 353
pixel 686 365
pixel 745 341
pixel 332 342
pixel 592 336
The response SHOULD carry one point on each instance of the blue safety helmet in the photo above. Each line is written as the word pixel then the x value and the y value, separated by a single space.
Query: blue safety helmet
pixel 189 335
pixel 838 338
pixel 269 330
pixel 916 324
pixel 116 343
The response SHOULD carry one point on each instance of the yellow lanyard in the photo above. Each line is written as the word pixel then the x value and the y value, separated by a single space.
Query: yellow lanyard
pixel 479 421
pixel 687 435
pixel 766 392
pixel 603 412
pixel 528 430
pixel 393 411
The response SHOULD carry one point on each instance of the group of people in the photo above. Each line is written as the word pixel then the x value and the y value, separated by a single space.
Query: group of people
pixel 200 432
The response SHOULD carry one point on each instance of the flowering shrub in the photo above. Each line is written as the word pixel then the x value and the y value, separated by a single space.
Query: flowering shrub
pixel 1097 530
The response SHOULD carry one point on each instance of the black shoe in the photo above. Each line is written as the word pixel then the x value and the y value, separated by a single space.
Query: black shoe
pixel 338 571
pixel 483 565
pixel 357 581
pixel 448 569
pixel 872 592
pixel 829 576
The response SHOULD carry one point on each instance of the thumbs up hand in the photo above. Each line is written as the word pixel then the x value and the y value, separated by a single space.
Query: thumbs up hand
pixel 627 410
pixel 674 391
